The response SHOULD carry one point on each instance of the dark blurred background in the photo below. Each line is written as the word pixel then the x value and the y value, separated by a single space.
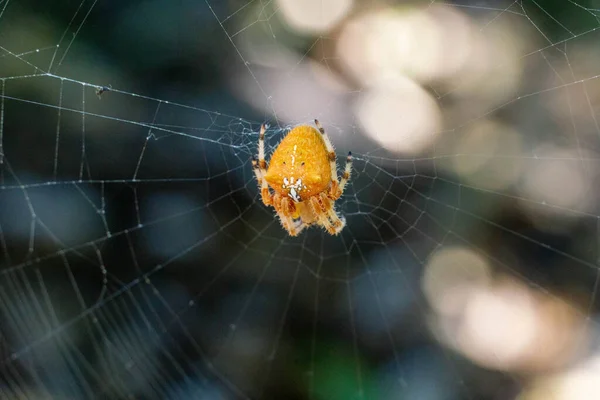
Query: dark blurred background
pixel 137 260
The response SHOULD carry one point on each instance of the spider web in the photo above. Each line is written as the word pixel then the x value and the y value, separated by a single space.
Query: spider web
pixel 137 259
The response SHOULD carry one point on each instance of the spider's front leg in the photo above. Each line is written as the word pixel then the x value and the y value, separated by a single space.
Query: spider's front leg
pixel 346 174
pixel 286 209
pixel 321 211
pixel 337 187
pixel 261 150
pixel 327 205
pixel 260 168
pixel 266 195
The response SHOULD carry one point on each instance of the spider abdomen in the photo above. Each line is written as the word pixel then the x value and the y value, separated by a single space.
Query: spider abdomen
pixel 299 167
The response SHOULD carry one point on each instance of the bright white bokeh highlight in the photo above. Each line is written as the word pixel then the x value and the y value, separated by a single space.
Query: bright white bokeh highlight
pixel 399 115
pixel 450 277
pixel 499 323
pixel 499 326
pixel 313 16
pixel 425 44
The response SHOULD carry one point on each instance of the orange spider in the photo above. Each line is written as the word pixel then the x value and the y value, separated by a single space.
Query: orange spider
pixel 303 176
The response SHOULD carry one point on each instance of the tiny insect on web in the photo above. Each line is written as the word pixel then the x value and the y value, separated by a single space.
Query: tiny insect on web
pixel 303 175
pixel 100 90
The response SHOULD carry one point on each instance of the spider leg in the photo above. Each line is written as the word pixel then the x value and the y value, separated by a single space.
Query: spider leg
pixel 337 222
pixel 285 209
pixel 260 168
pixel 345 177
pixel 337 187
pixel 330 154
pixel 257 172
pixel 262 164
pixel 288 224
pixel 321 214
pixel 298 227
pixel 289 208
pixel 266 195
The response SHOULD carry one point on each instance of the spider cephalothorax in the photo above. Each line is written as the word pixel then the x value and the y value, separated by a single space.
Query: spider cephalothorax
pixel 303 175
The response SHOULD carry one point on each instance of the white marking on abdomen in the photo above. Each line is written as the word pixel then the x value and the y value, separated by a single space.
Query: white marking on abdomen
pixel 294 195
pixel 294 188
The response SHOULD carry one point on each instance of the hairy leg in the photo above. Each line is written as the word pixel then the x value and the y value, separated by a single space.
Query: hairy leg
pixel 330 155
pixel 260 168
pixel 261 150
pixel 337 222
pixel 337 187
pixel 266 195
pixel 321 216
pixel 345 177
pixel 285 210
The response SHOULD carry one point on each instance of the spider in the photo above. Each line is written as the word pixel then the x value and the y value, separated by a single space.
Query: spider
pixel 303 176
